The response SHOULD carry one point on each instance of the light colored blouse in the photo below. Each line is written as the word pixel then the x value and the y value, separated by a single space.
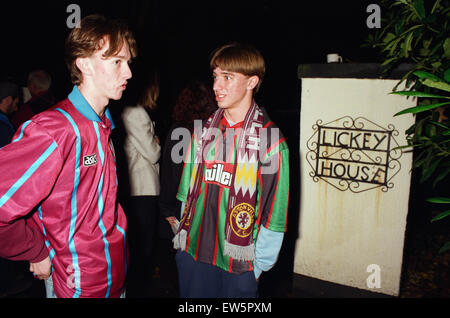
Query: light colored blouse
pixel 142 151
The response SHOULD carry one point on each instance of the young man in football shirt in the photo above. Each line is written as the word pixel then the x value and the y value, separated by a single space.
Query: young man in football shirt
pixel 234 186
pixel 58 195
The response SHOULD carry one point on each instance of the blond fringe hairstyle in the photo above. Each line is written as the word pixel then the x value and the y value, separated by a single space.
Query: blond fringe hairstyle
pixel 239 58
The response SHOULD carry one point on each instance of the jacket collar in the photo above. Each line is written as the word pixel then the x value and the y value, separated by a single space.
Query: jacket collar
pixel 82 105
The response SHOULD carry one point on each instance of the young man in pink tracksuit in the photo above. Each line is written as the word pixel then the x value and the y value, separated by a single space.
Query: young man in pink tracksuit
pixel 58 194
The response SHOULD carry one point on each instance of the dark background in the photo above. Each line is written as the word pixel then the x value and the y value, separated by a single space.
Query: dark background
pixel 175 38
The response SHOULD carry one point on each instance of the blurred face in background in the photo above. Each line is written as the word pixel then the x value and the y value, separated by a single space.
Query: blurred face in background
pixel 9 104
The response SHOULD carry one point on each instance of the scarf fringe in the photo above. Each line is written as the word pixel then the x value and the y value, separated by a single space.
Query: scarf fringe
pixel 179 241
pixel 240 253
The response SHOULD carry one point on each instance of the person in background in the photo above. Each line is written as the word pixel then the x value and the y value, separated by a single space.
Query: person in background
pixel 12 274
pixel 195 102
pixel 234 187
pixel 58 195
pixel 9 98
pixel 142 151
pixel 38 84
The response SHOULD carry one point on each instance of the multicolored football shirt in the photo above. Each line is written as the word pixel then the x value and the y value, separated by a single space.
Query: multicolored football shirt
pixel 61 168
pixel 206 238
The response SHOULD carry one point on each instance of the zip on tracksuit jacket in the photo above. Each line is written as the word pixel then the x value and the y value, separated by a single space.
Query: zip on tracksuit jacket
pixel 58 197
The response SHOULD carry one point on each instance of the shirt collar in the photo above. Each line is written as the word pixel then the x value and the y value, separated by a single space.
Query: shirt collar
pixel 227 124
pixel 82 105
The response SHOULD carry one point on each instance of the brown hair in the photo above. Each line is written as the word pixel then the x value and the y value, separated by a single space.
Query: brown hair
pixel 91 36
pixel 240 58
pixel 150 94
pixel 196 101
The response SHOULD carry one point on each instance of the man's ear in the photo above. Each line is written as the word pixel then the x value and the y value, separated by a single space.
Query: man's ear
pixel 252 82
pixel 84 65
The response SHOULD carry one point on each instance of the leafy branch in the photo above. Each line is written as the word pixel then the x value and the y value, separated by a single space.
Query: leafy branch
pixel 417 32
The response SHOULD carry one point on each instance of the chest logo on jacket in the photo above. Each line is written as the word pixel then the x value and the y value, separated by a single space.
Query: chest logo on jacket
pixel 90 160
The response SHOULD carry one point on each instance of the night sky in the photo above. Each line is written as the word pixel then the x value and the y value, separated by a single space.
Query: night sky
pixel 176 38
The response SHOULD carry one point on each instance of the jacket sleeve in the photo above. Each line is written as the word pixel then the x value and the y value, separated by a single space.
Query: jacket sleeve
pixel 141 133
pixel 29 167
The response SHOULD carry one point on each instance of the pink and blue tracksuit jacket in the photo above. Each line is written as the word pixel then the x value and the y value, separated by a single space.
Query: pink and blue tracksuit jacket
pixel 58 197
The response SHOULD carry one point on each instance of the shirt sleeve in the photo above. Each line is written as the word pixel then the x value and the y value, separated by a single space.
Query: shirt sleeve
pixel 267 249
pixel 272 207
pixel 29 167
pixel 273 186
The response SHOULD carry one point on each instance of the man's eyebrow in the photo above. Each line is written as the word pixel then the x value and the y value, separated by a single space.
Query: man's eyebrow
pixel 224 73
pixel 121 57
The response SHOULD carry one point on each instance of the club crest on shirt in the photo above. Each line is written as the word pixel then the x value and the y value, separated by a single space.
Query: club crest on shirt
pixel 241 219
pixel 90 160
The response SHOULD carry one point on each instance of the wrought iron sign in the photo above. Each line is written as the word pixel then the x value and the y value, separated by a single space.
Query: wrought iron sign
pixel 354 154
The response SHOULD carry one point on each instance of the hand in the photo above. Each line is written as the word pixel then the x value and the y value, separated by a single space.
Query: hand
pixel 174 223
pixel 43 269
pixel 172 220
